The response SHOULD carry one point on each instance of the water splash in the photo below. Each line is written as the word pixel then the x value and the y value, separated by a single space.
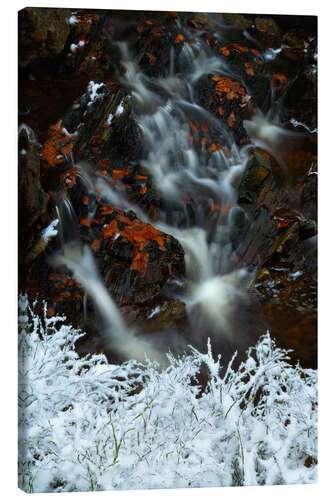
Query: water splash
pixel 118 336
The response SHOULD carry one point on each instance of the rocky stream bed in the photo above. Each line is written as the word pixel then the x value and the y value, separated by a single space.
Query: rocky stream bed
pixel 139 130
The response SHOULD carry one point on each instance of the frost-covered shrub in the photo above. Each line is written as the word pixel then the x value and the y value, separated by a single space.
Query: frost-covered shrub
pixel 87 425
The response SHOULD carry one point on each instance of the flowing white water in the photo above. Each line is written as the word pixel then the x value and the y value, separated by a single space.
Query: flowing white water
pixel 119 337
pixel 176 166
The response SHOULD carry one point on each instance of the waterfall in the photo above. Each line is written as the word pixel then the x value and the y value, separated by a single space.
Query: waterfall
pixel 118 337
pixel 164 108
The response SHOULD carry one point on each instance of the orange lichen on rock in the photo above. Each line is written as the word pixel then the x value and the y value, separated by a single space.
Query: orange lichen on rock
pixel 282 222
pixel 96 244
pixel 119 174
pixel 110 229
pixel 249 70
pixel 62 286
pixel 157 32
pixel 105 162
pixel 179 38
pixel 151 57
pixel 85 21
pixel 278 81
pixel 139 262
pixel 233 47
pixel 232 89
pixel 106 209
pixel 193 127
pixel 139 234
pixel 58 144
pixel 69 177
pixel 215 147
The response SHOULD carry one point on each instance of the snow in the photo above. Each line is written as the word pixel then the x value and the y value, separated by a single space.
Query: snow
pixel 271 54
pixel 296 123
pixel 73 20
pixel 120 109
pixel 109 119
pixel 23 152
pixel 296 274
pixel 28 132
pixel 83 426
pixel 154 312
pixel 92 91
pixel 50 231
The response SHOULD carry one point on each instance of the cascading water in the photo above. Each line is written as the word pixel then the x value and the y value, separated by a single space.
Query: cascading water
pixel 118 337
pixel 167 219
pixel 181 169
pixel 176 166
pixel 163 108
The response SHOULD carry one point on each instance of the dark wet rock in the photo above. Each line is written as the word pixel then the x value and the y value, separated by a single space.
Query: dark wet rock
pixel 239 20
pixel 246 60
pixel 155 41
pixel 301 98
pixel 295 22
pixel 273 210
pixel 168 313
pixel 135 259
pixel 43 33
pixel 288 294
pixel 104 132
pixel 42 101
pixel 32 198
pixel 228 100
pixel 268 31
pixel 280 244
pixel 158 317
pixel 85 29
pixel 108 128
pixel 237 227
pixel 252 180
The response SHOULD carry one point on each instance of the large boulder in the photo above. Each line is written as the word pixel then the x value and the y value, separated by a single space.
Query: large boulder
pixel 43 33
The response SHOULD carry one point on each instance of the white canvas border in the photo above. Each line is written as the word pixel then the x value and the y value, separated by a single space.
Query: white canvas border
pixel 9 244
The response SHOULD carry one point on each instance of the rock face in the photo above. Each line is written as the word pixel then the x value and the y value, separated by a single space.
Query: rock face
pixel 280 244
pixel 32 197
pixel 43 33
pixel 81 151
pixel 134 259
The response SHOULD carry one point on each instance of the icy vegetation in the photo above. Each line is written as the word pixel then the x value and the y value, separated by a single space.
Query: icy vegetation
pixel 87 425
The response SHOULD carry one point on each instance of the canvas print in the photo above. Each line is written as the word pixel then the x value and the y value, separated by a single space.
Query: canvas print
pixel 167 309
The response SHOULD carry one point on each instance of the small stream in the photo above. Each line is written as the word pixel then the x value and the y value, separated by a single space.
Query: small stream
pixel 196 176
